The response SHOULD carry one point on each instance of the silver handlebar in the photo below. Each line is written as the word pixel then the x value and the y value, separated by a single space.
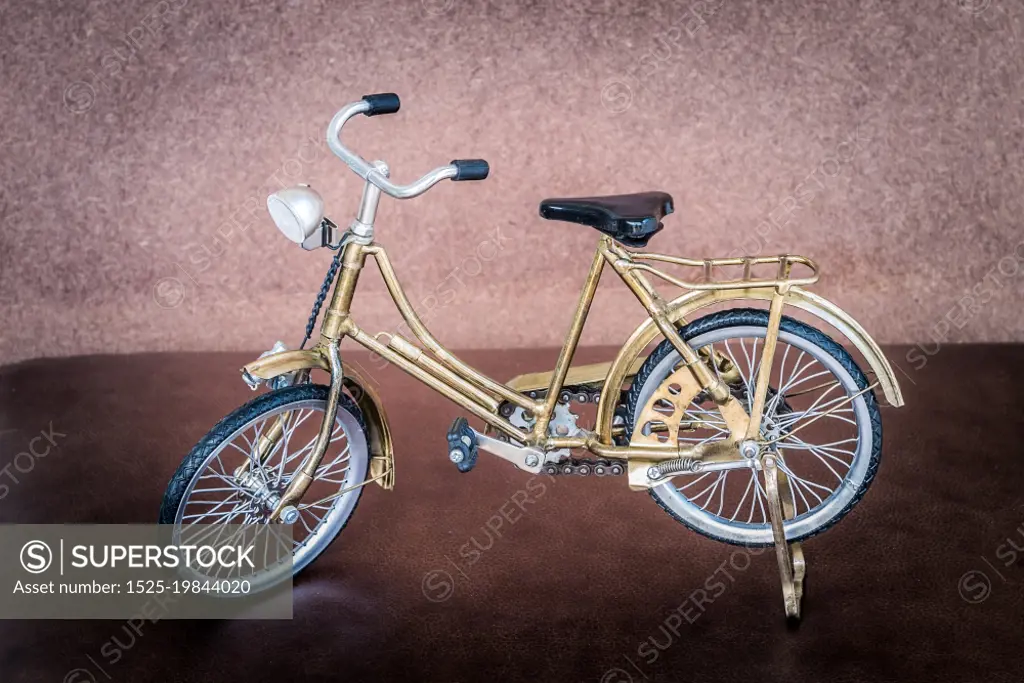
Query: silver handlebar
pixel 367 171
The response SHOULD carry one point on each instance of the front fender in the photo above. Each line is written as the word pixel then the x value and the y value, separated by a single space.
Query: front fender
pixel 382 451
pixel 683 306
pixel 274 364
pixel 382 454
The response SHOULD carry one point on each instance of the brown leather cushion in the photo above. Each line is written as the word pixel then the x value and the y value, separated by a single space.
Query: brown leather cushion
pixel 588 581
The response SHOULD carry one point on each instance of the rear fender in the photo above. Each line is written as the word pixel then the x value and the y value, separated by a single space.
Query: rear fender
pixel 681 308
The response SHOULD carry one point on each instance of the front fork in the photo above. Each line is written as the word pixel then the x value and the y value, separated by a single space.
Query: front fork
pixel 285 509
pixel 328 359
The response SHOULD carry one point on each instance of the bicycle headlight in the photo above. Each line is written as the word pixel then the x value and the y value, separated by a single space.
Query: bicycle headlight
pixel 297 212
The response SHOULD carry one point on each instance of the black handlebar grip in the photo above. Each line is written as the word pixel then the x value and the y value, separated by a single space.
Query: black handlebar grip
pixel 470 169
pixel 382 103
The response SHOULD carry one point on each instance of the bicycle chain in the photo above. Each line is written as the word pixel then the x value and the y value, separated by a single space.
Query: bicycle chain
pixel 583 467
pixel 575 394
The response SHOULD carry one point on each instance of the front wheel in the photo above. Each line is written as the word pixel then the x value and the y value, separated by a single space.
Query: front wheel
pixel 222 481
pixel 828 446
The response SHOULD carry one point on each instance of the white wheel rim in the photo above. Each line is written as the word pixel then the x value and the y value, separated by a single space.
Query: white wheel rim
pixel 344 464
pixel 816 514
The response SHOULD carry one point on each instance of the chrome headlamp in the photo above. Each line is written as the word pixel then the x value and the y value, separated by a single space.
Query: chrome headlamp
pixel 298 213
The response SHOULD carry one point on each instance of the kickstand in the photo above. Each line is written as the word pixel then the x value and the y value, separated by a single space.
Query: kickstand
pixel 792 566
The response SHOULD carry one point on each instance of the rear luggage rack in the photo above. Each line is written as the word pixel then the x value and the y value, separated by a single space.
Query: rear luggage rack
pixel 783 276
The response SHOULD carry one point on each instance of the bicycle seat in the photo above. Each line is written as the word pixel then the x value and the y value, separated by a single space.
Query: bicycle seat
pixel 628 218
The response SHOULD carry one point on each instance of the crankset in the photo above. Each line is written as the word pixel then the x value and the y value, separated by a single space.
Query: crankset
pixel 464 443
pixel 564 423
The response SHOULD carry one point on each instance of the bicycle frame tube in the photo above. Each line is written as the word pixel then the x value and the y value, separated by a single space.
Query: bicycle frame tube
pixel 471 389
pixel 449 375
pixel 481 395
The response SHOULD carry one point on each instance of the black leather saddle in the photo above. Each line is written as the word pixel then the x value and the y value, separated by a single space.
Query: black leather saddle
pixel 628 218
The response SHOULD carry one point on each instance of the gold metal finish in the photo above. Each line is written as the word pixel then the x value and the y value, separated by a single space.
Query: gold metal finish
pixel 382 450
pixel 284 362
pixel 655 442
pixel 764 374
pixel 457 393
pixel 423 334
pixel 481 395
pixel 672 397
pixel 306 473
pixel 654 426
pixel 417 356
pixel 656 308
pixel 639 467
pixel 265 444
pixel 578 375
pixel 682 308
pixel 336 318
pixel 784 263
pixel 790 556
pixel 852 330
pixel 543 417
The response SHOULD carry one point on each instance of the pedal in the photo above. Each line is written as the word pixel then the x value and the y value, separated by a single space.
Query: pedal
pixel 462 445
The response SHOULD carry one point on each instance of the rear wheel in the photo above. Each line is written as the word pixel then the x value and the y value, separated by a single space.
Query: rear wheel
pixel 208 487
pixel 827 445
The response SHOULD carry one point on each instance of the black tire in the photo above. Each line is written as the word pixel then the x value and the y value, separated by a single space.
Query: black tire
pixel 264 403
pixel 759 318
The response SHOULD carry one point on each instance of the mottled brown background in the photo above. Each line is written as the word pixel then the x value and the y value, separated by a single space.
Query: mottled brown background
pixel 893 128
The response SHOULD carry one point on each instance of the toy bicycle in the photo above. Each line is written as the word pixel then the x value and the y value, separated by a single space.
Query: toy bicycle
pixel 744 394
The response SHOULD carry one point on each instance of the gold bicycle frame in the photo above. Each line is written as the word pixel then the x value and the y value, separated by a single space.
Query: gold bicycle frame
pixel 481 395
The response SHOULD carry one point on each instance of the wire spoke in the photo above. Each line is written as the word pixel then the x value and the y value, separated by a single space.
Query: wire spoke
pixel 802 390
pixel 218 500
pixel 739 505
pixel 688 485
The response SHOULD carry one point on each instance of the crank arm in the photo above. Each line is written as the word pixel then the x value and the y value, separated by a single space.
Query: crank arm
pixel 520 456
